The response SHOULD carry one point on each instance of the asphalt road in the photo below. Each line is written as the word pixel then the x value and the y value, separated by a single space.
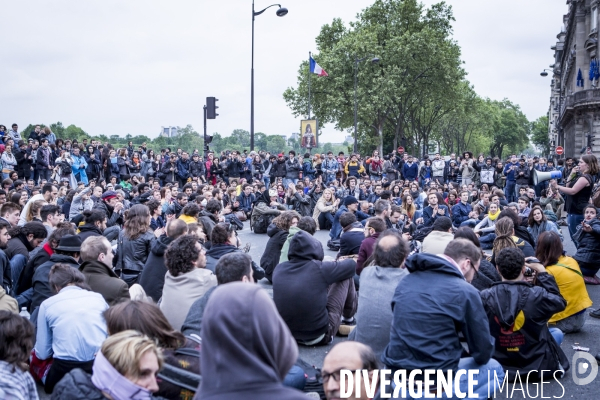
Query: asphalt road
pixel 567 389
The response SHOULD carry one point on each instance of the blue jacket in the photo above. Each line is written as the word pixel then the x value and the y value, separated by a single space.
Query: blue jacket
pixel 246 202
pixel 428 220
pixel 510 175
pixel 79 166
pixel 336 228
pixel 410 172
pixel 460 213
pixel 446 304
pixel 183 169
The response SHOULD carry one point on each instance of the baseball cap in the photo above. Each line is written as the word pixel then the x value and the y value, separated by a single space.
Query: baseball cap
pixel 109 194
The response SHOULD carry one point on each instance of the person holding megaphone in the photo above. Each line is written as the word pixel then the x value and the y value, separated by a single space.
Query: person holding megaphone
pixel 578 190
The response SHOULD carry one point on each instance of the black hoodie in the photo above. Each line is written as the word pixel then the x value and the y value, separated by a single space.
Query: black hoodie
pixel 300 286
pixel 518 315
pixel 246 348
pixel 152 278
pixel 272 253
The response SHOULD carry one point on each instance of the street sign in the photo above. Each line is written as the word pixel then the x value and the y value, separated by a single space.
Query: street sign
pixel 559 150
pixel 400 149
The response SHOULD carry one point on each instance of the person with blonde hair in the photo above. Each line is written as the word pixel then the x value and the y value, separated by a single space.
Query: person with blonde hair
pixel 325 208
pixel 125 368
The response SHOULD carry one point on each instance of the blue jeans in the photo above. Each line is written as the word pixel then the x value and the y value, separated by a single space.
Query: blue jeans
pixel 470 223
pixel 487 241
pixel 295 378
pixel 509 191
pixel 267 181
pixel 330 178
pixel 287 181
pixel 325 217
pixel 17 263
pixel 574 220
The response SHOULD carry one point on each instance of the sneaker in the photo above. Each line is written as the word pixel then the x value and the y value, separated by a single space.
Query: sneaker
pixel 595 313
pixel 591 280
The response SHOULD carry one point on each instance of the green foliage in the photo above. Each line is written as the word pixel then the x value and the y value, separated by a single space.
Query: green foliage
pixel 539 134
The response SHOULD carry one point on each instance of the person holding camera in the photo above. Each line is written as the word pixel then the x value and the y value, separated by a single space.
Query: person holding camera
pixel 518 314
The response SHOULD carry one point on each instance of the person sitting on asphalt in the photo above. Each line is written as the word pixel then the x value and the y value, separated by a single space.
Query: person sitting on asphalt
pixel 244 337
pixel 278 232
pixel 353 233
pixel 377 285
pixel 314 296
pixel 71 327
pixel 353 356
pixel 487 274
pixel 587 237
pixel 225 241
pixel 570 281
pixel 267 205
pixel 462 212
pixel 439 286
pixel 187 279
pixel 373 228
pixel 518 315
pixel 306 224
pixel 152 278
pixel 97 257
pixel 505 237
pixel 350 204
pixel 439 237
pixel 434 209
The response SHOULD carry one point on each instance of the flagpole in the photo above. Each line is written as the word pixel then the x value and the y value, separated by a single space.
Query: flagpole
pixel 309 57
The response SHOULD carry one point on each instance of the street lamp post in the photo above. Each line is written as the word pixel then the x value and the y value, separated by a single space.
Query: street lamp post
pixel 280 13
pixel 357 60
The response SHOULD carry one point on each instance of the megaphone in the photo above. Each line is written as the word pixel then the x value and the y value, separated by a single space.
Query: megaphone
pixel 544 176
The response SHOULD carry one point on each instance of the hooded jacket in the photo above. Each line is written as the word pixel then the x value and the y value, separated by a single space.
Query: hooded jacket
pixel 589 243
pixel 102 279
pixel 8 303
pixel 446 304
pixel 216 251
pixel 300 286
pixel 270 257
pixel 262 206
pixel 244 337
pixel 181 291
pixel 208 222
pixel 89 230
pixel 518 315
pixel 152 278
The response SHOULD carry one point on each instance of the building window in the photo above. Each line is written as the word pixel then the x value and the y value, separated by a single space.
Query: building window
pixel 594 23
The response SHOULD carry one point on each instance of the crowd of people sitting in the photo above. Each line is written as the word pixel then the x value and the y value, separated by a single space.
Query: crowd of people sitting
pixel 131 280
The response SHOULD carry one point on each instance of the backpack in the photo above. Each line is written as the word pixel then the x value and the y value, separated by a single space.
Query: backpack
pixel 314 381
pixel 65 168
pixel 262 223
pixel 181 370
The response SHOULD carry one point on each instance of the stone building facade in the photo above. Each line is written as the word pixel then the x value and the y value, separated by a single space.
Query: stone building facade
pixel 575 95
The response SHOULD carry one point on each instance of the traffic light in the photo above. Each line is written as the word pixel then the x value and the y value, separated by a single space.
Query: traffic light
pixel 208 139
pixel 211 107
pixel 205 148
pixel 590 140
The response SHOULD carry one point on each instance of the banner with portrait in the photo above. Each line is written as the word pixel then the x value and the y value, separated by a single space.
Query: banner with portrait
pixel 308 133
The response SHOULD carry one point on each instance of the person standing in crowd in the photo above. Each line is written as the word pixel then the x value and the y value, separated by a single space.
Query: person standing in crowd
pixel 578 190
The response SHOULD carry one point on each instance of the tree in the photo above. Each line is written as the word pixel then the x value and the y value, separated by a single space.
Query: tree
pixel 240 139
pixel 510 128
pixel 539 134
pixel 58 129
pixel 74 132
pixel 415 81
pixel 275 144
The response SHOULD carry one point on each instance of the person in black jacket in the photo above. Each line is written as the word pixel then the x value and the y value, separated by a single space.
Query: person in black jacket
pixel 518 315
pixel 431 306
pixel 4 261
pixel 67 252
pixel 299 201
pixel 24 161
pixel 313 296
pixel 278 232
pixel 197 169
pixel 353 233
pixel 152 278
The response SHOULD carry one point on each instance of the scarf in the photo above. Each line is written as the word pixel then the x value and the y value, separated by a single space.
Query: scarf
pixel 493 217
pixel 107 379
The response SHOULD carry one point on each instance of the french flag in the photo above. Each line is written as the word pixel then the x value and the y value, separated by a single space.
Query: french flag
pixel 316 68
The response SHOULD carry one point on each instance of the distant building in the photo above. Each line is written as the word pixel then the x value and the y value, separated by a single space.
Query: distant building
pixel 295 136
pixel 169 131
pixel 575 98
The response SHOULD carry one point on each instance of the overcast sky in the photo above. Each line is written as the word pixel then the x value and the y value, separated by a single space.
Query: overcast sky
pixel 118 67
